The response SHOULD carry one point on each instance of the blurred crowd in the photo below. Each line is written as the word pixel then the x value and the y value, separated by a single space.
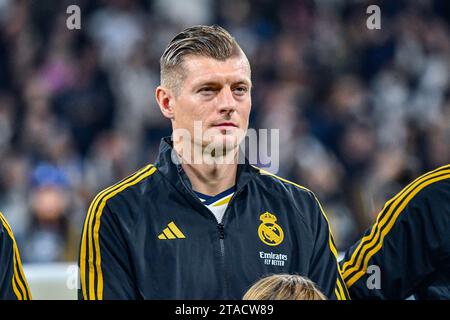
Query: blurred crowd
pixel 361 112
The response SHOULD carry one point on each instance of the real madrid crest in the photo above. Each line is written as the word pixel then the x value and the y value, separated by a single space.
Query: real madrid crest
pixel 269 231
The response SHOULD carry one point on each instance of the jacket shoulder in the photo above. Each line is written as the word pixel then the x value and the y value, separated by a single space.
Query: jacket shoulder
pixel 3 225
pixel 431 187
pixel 2 228
pixel 282 185
pixel 304 200
pixel 301 198
pixel 128 188
pixel 436 188
pixel 6 233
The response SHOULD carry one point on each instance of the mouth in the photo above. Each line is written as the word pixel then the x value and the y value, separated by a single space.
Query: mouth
pixel 225 125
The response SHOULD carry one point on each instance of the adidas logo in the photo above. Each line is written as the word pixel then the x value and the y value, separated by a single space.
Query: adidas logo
pixel 171 232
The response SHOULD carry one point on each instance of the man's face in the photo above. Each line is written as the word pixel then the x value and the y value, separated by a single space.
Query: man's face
pixel 217 94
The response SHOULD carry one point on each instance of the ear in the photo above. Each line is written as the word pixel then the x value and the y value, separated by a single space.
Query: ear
pixel 165 100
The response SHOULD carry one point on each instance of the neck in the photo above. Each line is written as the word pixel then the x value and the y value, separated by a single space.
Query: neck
pixel 210 177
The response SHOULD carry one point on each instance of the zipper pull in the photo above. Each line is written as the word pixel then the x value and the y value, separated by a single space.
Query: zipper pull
pixel 221 230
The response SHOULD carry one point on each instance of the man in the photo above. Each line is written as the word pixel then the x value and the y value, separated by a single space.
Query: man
pixel 407 251
pixel 189 229
pixel 13 285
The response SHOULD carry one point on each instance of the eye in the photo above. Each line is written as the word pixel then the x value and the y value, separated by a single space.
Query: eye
pixel 206 90
pixel 240 90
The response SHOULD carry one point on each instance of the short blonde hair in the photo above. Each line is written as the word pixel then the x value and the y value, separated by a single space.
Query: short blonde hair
pixel 207 41
pixel 284 287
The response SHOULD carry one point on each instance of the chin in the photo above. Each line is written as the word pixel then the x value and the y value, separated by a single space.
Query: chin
pixel 224 142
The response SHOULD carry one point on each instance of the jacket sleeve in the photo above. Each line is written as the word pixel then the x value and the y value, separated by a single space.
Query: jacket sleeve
pixel 13 285
pixel 105 268
pixel 405 247
pixel 325 270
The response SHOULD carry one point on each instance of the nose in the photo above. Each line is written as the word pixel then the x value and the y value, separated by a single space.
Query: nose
pixel 226 101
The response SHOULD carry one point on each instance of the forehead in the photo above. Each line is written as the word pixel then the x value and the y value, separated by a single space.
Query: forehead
pixel 200 69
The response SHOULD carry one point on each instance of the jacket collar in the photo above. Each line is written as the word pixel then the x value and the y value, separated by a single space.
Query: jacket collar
pixel 175 174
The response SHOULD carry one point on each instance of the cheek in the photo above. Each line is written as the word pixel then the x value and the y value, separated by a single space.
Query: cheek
pixel 201 111
pixel 245 111
pixel 189 111
pixel 185 110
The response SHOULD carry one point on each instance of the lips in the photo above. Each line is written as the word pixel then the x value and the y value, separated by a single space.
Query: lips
pixel 226 124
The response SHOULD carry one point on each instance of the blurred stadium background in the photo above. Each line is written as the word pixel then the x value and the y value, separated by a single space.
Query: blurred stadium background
pixel 361 112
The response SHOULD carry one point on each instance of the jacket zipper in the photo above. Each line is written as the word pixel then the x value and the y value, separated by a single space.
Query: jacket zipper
pixel 221 227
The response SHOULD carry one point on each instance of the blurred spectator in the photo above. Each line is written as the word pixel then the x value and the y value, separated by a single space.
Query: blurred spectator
pixel 14 186
pixel 117 28
pixel 49 237
pixel 88 106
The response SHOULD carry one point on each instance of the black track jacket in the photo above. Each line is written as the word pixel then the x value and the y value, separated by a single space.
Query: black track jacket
pixel 13 285
pixel 407 251
pixel 150 237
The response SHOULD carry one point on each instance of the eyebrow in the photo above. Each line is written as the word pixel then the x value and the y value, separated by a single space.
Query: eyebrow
pixel 215 83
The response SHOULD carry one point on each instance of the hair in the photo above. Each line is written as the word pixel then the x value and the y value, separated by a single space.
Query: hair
pixel 284 287
pixel 207 41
